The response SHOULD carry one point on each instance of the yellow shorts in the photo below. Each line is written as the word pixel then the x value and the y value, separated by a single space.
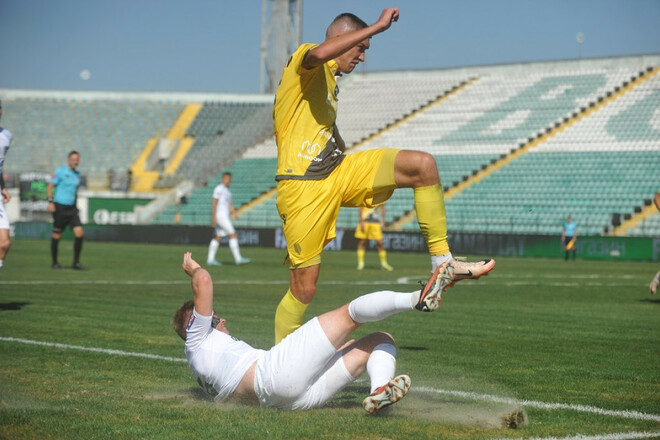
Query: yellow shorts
pixel 309 208
pixel 371 231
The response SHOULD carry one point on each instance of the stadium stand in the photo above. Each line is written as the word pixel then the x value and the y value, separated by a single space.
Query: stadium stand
pixel 499 113
pixel 222 132
pixel 109 131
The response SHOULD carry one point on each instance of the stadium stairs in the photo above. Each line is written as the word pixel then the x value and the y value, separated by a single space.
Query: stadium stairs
pixel 143 179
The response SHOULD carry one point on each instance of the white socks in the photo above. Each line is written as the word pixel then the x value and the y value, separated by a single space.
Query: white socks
pixel 437 260
pixel 233 246
pixel 381 364
pixel 379 305
pixel 213 249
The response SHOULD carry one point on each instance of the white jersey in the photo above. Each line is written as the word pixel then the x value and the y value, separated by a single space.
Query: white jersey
pixel 5 141
pixel 218 361
pixel 223 195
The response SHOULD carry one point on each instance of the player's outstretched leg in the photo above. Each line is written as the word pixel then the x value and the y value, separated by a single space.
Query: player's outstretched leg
pixel 390 393
pixel 430 296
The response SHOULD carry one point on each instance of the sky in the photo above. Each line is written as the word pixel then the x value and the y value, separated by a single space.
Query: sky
pixel 213 46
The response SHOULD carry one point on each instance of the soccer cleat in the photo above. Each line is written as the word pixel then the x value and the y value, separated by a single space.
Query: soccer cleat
pixel 391 392
pixel 387 267
pixel 56 266
pixel 78 266
pixel 242 261
pixel 430 296
pixel 213 263
pixel 360 266
pixel 464 270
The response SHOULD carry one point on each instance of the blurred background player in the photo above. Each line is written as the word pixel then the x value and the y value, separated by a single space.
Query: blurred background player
pixel 315 178
pixel 569 237
pixel 653 287
pixel 222 210
pixel 370 228
pixel 66 182
pixel 313 363
pixel 5 242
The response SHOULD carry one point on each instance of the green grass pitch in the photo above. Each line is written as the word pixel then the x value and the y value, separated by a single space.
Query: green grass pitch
pixel 575 346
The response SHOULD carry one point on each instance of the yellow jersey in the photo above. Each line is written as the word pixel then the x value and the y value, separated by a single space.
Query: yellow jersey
pixel 304 117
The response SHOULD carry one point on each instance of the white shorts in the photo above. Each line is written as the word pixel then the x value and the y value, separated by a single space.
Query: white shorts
pixel 223 227
pixel 4 220
pixel 303 371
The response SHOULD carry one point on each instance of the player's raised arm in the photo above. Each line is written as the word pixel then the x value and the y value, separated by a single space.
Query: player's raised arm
pixel 338 41
pixel 202 285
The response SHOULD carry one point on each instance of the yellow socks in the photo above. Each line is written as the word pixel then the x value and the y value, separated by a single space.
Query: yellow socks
pixel 430 207
pixel 383 256
pixel 360 256
pixel 289 316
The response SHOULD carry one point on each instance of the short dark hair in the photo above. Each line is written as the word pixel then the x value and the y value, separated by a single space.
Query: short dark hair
pixel 181 318
pixel 347 17
pixel 226 173
pixel 72 152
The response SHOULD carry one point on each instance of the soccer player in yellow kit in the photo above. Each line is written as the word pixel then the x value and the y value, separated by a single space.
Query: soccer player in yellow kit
pixel 315 178
pixel 370 228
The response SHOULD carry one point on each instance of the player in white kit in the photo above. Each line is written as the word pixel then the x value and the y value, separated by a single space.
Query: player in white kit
pixel 5 242
pixel 310 365
pixel 222 209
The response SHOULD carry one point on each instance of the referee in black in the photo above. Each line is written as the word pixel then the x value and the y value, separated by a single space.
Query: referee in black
pixel 63 206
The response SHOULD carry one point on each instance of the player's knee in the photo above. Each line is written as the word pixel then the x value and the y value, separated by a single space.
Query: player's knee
pixel 304 292
pixel 5 244
pixel 426 165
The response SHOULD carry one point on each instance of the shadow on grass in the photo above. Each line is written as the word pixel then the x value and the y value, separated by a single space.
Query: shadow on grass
pixel 13 305
pixel 651 300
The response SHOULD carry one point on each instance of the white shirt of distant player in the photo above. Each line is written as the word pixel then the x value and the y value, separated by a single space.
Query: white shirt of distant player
pixel 217 360
pixel 223 195
pixel 5 141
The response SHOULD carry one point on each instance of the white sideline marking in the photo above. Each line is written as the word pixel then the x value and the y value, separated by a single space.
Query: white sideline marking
pixel 543 405
pixel 94 349
pixel 469 395
pixel 617 436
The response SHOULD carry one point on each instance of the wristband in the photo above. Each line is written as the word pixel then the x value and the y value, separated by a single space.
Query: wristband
pixel 50 200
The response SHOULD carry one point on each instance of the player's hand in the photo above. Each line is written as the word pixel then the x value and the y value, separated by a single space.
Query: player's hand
pixel 387 17
pixel 51 207
pixel 5 195
pixel 189 265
